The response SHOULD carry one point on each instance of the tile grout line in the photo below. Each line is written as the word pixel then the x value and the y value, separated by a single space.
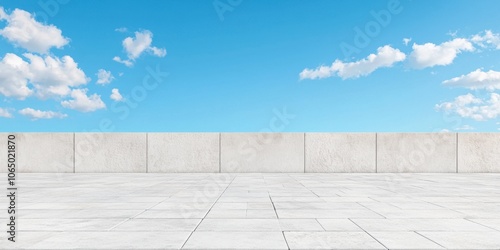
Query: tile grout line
pixel 316 219
pixel 210 209
pixel 467 219
pixel 359 203
pixel 368 233
pixel 429 239
pixel 284 237
pixel 134 216
pixel 275 212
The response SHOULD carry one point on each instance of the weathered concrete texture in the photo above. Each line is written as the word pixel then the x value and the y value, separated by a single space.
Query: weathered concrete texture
pixel 262 152
pixel 479 153
pixel 110 152
pixel 3 152
pixel 183 152
pixel 340 152
pixel 45 152
pixel 416 152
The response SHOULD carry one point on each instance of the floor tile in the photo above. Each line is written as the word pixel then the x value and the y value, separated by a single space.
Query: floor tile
pixel 114 240
pixel 465 240
pixel 236 240
pixel 325 213
pixel 343 225
pixel 331 240
pixel 420 225
pixel 157 225
pixel 300 225
pixel 173 214
pixel 245 225
pixel 404 240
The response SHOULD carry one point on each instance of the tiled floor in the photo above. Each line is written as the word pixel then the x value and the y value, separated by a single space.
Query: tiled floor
pixel 256 211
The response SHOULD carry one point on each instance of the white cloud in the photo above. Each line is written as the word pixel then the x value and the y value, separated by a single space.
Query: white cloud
pixel 38 114
pixel 47 77
pixel 82 102
pixel 465 127
pixel 406 41
pixel 429 54
pixel 452 33
pixel 52 76
pixel 136 46
pixel 386 57
pixel 14 75
pixel 469 106
pixel 4 112
pixel 121 29
pixel 127 63
pixel 477 79
pixel 487 39
pixel 24 31
pixel 104 77
pixel 159 52
pixel 116 96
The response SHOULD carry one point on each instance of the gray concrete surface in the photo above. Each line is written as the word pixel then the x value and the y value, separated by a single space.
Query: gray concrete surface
pixel 256 211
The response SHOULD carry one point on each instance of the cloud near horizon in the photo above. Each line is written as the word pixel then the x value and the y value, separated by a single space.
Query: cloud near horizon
pixel 430 55
pixel 386 57
pixel 39 114
pixel 478 79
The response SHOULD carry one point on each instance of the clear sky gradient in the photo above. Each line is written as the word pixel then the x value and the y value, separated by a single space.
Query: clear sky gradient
pixel 250 65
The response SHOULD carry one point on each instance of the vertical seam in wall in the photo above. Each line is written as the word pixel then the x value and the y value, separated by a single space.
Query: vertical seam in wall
pixel 74 153
pixel 220 153
pixel 304 152
pixel 376 152
pixel 147 152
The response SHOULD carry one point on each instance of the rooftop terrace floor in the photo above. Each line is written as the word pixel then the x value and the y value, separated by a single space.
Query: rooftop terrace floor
pixel 255 211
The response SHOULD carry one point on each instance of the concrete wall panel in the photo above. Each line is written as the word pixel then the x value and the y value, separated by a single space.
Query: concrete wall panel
pixel 45 152
pixel 416 152
pixel 183 152
pixel 262 152
pixel 110 153
pixel 340 152
pixel 479 153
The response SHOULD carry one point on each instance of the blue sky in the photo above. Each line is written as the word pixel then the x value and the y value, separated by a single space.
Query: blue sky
pixel 339 66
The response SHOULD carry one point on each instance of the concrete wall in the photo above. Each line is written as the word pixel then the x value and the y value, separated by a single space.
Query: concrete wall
pixel 340 153
pixel 416 153
pixel 254 152
pixel 3 153
pixel 262 152
pixel 110 153
pixel 479 153
pixel 183 152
